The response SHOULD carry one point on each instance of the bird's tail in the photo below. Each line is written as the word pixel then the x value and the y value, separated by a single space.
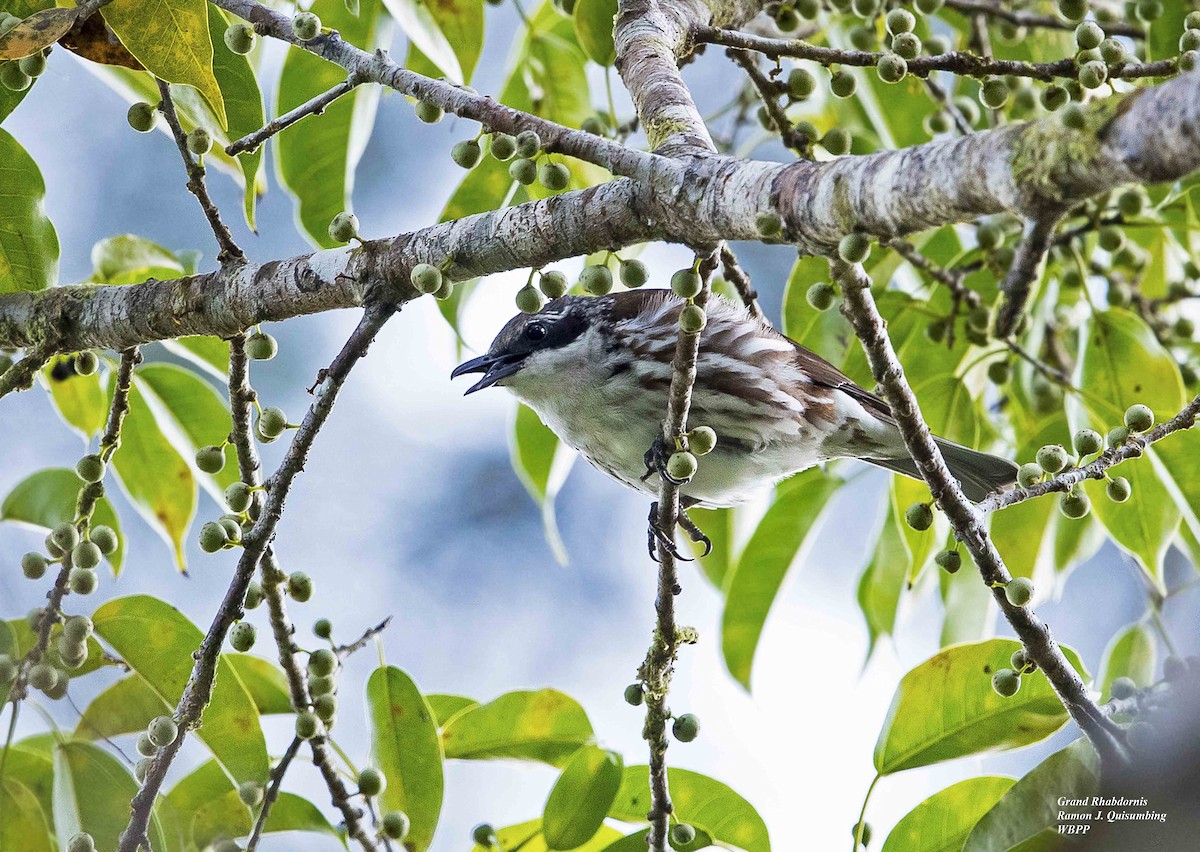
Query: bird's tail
pixel 980 474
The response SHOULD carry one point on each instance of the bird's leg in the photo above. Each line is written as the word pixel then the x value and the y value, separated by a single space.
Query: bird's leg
pixel 655 536
pixel 656 461
pixel 694 532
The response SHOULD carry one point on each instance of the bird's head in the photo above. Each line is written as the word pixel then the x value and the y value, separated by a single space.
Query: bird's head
pixel 531 346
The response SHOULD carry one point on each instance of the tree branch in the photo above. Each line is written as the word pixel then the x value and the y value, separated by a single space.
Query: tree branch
pixel 769 95
pixel 272 793
pixel 740 280
pixel 1026 267
pixel 858 305
pixel 316 106
pixel 20 375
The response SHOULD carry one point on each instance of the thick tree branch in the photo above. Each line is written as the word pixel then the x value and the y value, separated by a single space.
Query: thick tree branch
pixel 858 305
pixel 21 374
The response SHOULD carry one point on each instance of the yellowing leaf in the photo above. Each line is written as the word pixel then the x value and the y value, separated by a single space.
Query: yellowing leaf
pixel 39 30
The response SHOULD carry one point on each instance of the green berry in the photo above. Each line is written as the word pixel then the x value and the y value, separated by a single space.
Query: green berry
pixel 86 363
pixel 682 834
pixel 681 466
pixel 900 21
pixel 323 628
pixel 503 146
pixel 343 227
pixel 83 581
pixel 800 83
pixel 271 423
pixel 702 440
pixel 949 560
pixel 1093 75
pixel 1074 504
pixel 43 677
pixel 72 654
pixel 210 459
pixel 199 141
pixel 65 536
pixel 854 247
pixel 553 284
pixel 162 731
pixel 919 516
pixel 1006 682
pixel 13 78
pixel 85 555
pixel 1188 60
pixel 1088 35
pixel 90 468
pixel 240 38
pixel 821 295
pixel 891 68
pixel 1052 458
pixel 768 224
pixel 81 842
pixel 906 46
pixel 1118 489
pixel 1117 437
pixel 999 372
pixel 213 537
pixel 1123 687
pixel 529 300
pixel 786 19
pixel 33 565
pixel 594 125
pixel 325 706
pixel 836 141
pixel 523 171
pixel 300 587
pixel 686 283
pixel 554 176
pixel 994 93
pixel 1019 591
pixel 1139 418
pixel 842 83
pixel 1055 97
pixel 686 727
pixel 321 685
pixel 428 113
pixel 307 725
pixel 34 65
pixel 633 273
pixel 1073 10
pixel 251 793
pixel 322 662
pixel 426 278
pixel 142 117
pixel 528 144
pixel 306 26
pixel 1184 328
pixel 466 153
pixel 596 279
pixel 8 670
pixel 1088 441
pixel 254 595
pixel 861 831
pixel 484 835
pixel 371 782
pixel 77 628
pixel 146 746
pixel 395 825
pixel 1029 473
pixel 261 346
pixel 1112 51
pixel 692 319
pixel 635 694
pixel 242 636
pixel 238 496
pixel 1021 662
pixel 141 769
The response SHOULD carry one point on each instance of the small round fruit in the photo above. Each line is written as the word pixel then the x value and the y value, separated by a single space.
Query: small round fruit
pixel 861 832
pixel 596 279
pixel 994 93
pixel 949 560
pixel 395 825
pixel 800 83
pixel 1019 591
pixel 466 154
pixel 242 636
pixel 1052 458
pixel 43 677
pixel 8 670
pixel 1139 418
pixel 906 46
pixel 837 141
pixel 686 728
pixel 65 536
pixel 891 68
pixel 90 468
pixel 251 793
pixel 919 516
pixel 81 842
pixel 210 459
pixel 199 141
pixel 162 731
pixel 343 227
pixel 426 278
pixel 272 422
pixel 300 587
pixel 594 125
pixel 529 300
pixel 554 176
pixel 635 694
pixel 141 769
pixel 254 595
pixel 1088 35
pixel 484 835
pixel 1088 441
pixel 1073 10
pixel 307 725
pixel 146 746
pixel 319 686
pixel 33 565
pixel 1118 489
pixel 1117 437
pixel 682 834
pixel 77 628
pixel 1021 661
pixel 240 38
pixel 142 117
pixel 692 319
pixel 854 247
pixel 85 555
pixel 371 782
pixel 86 363
pixel 306 26
pixel 553 284
pixel 83 581
pixel 702 440
pixel 13 78
pixel 999 372
pixel 1055 97
pixel 1074 504
pixel 528 144
pixel 633 273
pixel 686 283
pixel 502 146
pixel 1006 682
pixel 842 83
pixel 900 21
pixel 73 655
pixel 681 466
pixel 321 662
pixel 323 628
pixel 261 346
pixel 238 496
pixel 213 537
pixel 523 171
pixel 1123 687
pixel 1029 473
pixel 429 113
pixel 1093 75
pixel 821 295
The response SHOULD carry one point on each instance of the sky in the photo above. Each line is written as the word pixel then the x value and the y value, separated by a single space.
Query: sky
pixel 409 508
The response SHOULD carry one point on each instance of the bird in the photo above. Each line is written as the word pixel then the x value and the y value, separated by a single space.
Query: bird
pixel 597 371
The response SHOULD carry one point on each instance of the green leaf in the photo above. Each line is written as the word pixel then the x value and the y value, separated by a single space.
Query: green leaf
pixel 28 242
pixel 946 708
pixel 1162 34
pixel 446 707
pixel 25 639
pixel 639 840
pixel 542 465
pixel 210 354
pixel 968 610
pixel 527 838
pixel 883 581
pixel 776 544
pixel 8 645
pixel 30 763
pixel 92 790
pixel 24 825
pixel 581 797
pixel 594 29
pixel 549 78
pixel 421 27
pixel 79 400
pixel 942 822
pixel 316 157
pixel 545 725
pixel 199 414
pixel 243 105
pixel 265 682
pixel 158 641
pixel 227 816
pixel 699 801
pixel 1031 805
pixel 1131 653
pixel 47 498
pixel 460 23
pixel 485 187
pixel 154 476
pixel 171 39
pixel 718 525
pixel 129 259
pixel 405 747
pixel 1120 363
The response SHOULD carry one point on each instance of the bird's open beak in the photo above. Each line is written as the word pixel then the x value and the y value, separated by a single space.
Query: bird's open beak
pixel 493 367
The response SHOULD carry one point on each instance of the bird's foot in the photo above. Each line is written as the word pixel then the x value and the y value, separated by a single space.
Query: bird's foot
pixel 694 532
pixel 656 536
pixel 656 461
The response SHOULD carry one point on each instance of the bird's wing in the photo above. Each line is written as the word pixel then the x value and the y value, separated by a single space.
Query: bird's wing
pixel 826 375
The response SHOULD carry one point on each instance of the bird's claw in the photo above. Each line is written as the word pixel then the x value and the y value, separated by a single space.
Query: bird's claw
pixel 695 533
pixel 655 460
pixel 655 536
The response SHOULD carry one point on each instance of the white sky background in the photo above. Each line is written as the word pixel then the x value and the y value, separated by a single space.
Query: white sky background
pixel 408 507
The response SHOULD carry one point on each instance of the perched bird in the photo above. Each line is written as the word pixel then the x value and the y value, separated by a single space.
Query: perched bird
pixel 597 371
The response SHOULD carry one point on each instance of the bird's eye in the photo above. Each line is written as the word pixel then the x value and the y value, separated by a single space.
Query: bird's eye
pixel 535 331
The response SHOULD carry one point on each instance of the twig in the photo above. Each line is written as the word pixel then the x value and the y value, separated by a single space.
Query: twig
pixel 858 305
pixel 1026 267
pixel 952 279
pixel 939 94
pixel 768 93
pixel 316 106
pixel 255 543
pixel 1133 448
pixel 370 633
pixel 1022 18
pixel 1053 373
pixel 658 667
pixel 740 280
pixel 272 792
pixel 229 250
pixel 19 376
